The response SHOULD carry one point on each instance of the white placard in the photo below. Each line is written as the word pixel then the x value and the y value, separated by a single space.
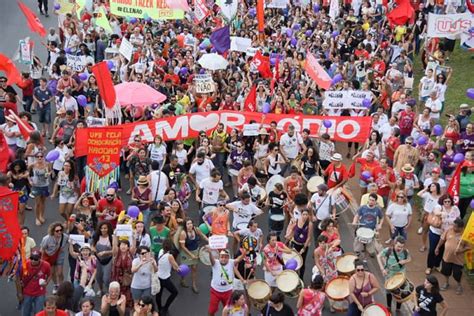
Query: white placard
pixel 277 4
pixel 449 25
pixel 77 239
pixel 251 51
pixel 351 99
pixel 218 242
pixel 204 83
pixel 240 44
pixel 251 129
pixel 126 49
pixel 95 121
pixel 76 63
pixel 124 230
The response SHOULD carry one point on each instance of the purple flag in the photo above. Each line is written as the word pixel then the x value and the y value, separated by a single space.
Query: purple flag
pixel 220 38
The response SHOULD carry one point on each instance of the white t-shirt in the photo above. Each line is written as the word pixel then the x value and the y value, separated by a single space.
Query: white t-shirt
pixel 182 155
pixel 429 181
pixel 243 213
pixel 429 202
pixel 69 104
pixel 386 130
pixel 157 153
pixel 397 107
pixel 157 195
pixel 10 129
pixel 427 85
pixel 63 152
pixel 399 214
pixel 324 204
pixel 210 190
pixel 254 193
pixel 434 105
pixel 203 171
pixel 164 265
pixel 223 276
pixel 291 144
pixel 440 88
pixel 326 150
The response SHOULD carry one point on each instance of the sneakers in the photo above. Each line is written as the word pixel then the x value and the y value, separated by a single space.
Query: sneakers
pixel 420 231
pixel 459 290
pixel 444 287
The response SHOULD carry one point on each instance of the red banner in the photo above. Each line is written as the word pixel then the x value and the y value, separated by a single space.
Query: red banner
pixel 10 232
pixel 316 72
pixel 343 128
pixel 103 145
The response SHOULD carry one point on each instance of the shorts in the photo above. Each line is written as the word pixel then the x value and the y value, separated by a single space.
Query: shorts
pixel 448 269
pixel 270 278
pixel 60 260
pixel 67 199
pixel 45 115
pixel 216 298
pixel 137 294
pixel 40 191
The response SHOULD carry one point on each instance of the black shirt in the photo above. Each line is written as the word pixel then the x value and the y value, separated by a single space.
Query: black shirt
pixel 285 311
pixel 172 173
pixel 276 202
pixel 427 301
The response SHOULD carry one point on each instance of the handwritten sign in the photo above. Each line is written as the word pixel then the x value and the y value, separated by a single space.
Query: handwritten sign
pixel 124 230
pixel 156 9
pixel 204 83
pixel 76 63
pixel 218 242
pixel 77 239
pixel 126 49
pixel 103 149
pixel 95 121
pixel 251 129
pixel 351 99
pixel 240 44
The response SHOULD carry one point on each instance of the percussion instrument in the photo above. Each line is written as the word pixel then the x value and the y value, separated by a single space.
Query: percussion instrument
pixel 376 309
pixel 259 293
pixel 207 209
pixel 241 226
pixel 277 222
pixel 365 235
pixel 337 291
pixel 204 256
pixel 289 283
pixel 345 264
pixel 343 201
pixel 293 255
pixel 233 172
pixel 400 287
pixel 272 181
pixel 263 195
pixel 313 183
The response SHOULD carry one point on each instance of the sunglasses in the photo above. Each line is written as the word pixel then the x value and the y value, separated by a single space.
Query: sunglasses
pixel 220 204
pixel 58 230
pixel 110 195
pixel 408 143
pixel 360 270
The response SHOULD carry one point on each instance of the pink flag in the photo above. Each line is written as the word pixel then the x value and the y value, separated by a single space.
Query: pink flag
pixel 200 11
pixel 316 72
pixel 178 4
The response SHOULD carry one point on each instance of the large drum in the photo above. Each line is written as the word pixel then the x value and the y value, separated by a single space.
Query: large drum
pixel 293 255
pixel 313 183
pixel 289 283
pixel 259 293
pixel 343 201
pixel 204 256
pixel 277 222
pixel 272 181
pixel 337 291
pixel 365 235
pixel 400 287
pixel 376 309
pixel 345 264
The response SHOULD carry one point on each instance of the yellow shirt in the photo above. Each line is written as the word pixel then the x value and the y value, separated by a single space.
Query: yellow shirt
pixel 122 216
pixel 365 199
pixel 400 30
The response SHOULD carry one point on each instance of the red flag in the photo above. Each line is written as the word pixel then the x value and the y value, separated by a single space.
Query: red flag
pixel 263 65
pixel 260 15
pixel 25 128
pixel 105 83
pixel 34 23
pixel 4 154
pixel 352 170
pixel 402 13
pixel 276 75
pixel 12 73
pixel 455 184
pixel 251 100
pixel 10 232
pixel 316 72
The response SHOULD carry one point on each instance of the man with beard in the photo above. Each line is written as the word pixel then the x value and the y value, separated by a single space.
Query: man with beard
pixel 200 169
pixel 173 169
pixel 109 207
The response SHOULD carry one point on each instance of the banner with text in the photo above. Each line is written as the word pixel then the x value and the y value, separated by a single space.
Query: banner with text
pixel 449 25
pixel 10 232
pixel 204 83
pixel 155 9
pixel 103 149
pixel 351 99
pixel 76 63
pixel 343 128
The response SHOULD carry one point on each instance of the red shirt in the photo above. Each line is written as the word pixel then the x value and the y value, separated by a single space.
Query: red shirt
pixel 30 281
pixel 366 165
pixel 379 67
pixel 26 86
pixel 336 174
pixel 10 106
pixel 406 122
pixel 59 312
pixel 110 208
pixel 381 180
pixel 394 142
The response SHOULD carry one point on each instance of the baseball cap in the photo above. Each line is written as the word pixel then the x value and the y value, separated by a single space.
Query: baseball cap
pixel 436 170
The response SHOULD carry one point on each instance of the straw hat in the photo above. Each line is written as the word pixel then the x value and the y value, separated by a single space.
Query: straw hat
pixel 407 168
pixel 336 157
pixel 142 180
pixel 263 131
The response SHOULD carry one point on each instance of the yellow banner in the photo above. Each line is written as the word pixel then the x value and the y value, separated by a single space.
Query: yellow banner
pixel 468 234
pixel 155 9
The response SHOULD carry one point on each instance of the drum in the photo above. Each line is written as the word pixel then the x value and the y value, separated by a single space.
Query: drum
pixel 400 287
pixel 375 309
pixel 345 264
pixel 272 181
pixel 241 226
pixel 207 209
pixel 343 201
pixel 277 222
pixel 204 256
pixel 259 293
pixel 263 195
pixel 289 283
pixel 365 235
pixel 313 183
pixel 337 291
pixel 293 255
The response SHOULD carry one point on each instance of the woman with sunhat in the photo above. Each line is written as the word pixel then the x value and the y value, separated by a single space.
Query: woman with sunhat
pixel 142 195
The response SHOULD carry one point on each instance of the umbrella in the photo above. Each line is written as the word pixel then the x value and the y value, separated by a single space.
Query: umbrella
pixel 138 94
pixel 213 61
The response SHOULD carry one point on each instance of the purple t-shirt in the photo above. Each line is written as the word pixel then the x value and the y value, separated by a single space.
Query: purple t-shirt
pixel 237 159
pixel 468 142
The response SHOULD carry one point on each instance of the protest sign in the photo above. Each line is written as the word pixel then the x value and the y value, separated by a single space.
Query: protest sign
pixel 200 11
pixel 156 9
pixel 251 51
pixel 251 129
pixel 126 49
pixel 124 230
pixel 277 4
pixel 95 121
pixel 77 239
pixel 343 128
pixel 218 241
pixel 76 63
pixel 103 149
pixel 10 232
pixel 240 44
pixel 351 99
pixel 204 83
pixel 449 25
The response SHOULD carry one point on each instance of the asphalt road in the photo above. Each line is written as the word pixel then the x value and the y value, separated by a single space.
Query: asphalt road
pixel 13 27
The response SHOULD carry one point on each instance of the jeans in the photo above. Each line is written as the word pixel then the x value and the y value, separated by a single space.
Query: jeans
pixel 166 284
pixel 434 260
pixel 32 305
pixel 399 231
pixel 43 5
pixel 219 162
pixel 389 301
pixel 103 275
pixel 27 101
pixel 298 248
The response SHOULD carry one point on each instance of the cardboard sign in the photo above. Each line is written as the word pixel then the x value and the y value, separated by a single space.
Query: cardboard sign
pixel 204 83
pixel 449 25
pixel 251 129
pixel 277 4
pixel 126 49
pixel 77 239
pixel 124 230
pixel 351 99
pixel 95 121
pixel 200 11
pixel 218 242
pixel 25 51
pixel 76 63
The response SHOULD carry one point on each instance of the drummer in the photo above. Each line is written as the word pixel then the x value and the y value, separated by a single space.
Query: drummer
pixel 291 144
pixel 257 193
pixel 392 260
pixel 336 172
pixel 276 201
pixel 210 189
pixel 272 258
pixel 362 287
pixel 369 216
pixel 323 208
pixel 253 231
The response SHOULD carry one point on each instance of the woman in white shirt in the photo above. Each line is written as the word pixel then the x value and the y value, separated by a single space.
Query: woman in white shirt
pixel 143 269
pixel 441 85
pixel 399 216
pixel 69 103
pixel 157 150
pixel 430 195
pixel 166 262
pixel 87 306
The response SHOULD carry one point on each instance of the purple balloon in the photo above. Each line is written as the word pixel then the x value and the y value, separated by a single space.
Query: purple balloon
pixel 57 7
pixel 367 103
pixel 327 123
pixel 83 76
pixel 209 220
pixel 183 70
pixel 293 42
pixel 458 158
pixel 472 203
pixel 336 79
pixel 114 185
pixel 133 20
pixel 316 8
pixel 297 27
pixel 470 93
pixel 289 32
pixel 273 61
pixel 213 50
pixel 266 108
pixel 133 211
pixel 82 100
pixel 366 174
pixel 202 71
pixel 411 102
pixel 53 155
pixel 422 140
pixel 291 264
pixel 335 34
pixel 253 12
pixel 110 65
pixel 308 33
pixel 183 270
pixel 437 130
